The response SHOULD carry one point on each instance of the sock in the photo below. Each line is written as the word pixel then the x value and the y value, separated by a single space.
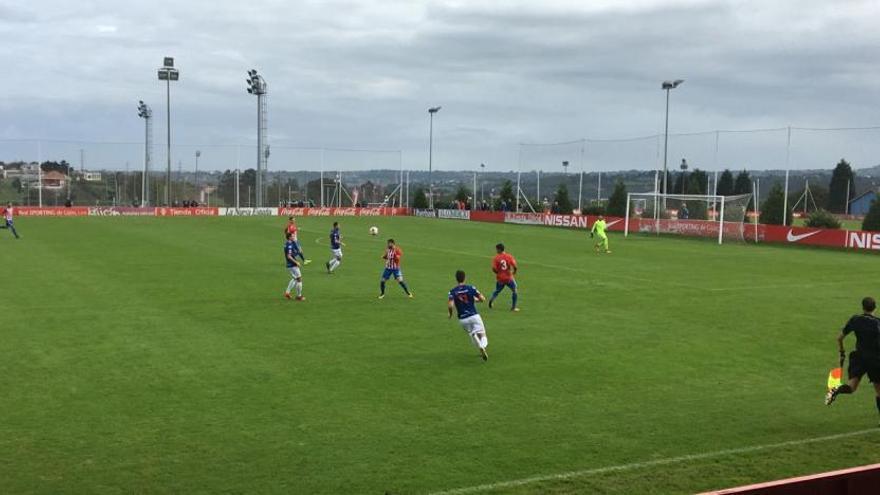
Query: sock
pixel 476 340
pixel 405 288
pixel 382 287
pixel 299 288
pixel 290 285
pixel 844 389
pixel 334 263
pixel 515 297
pixel 484 341
pixel 494 295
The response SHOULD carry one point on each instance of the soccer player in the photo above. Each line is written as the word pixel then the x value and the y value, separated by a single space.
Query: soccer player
pixel 392 268
pixel 599 230
pixel 7 215
pixel 504 266
pixel 335 248
pixel 290 252
pixel 463 298
pixel 866 358
pixel 292 229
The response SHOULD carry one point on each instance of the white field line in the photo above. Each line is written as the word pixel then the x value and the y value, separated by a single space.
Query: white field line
pixel 780 286
pixel 646 464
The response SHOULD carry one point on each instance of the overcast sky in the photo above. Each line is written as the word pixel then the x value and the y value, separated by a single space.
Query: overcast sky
pixel 361 74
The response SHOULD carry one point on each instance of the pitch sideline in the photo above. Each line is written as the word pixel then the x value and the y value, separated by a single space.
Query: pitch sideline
pixel 645 464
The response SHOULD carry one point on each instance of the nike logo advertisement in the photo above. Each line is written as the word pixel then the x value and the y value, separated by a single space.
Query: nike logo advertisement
pixel 794 238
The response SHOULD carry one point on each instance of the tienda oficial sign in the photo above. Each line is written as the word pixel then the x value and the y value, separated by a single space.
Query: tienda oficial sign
pixel 186 212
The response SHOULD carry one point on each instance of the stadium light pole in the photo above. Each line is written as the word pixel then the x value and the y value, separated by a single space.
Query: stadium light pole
pixel 667 86
pixel 431 112
pixel 684 168
pixel 482 183
pixel 198 191
pixel 266 166
pixel 257 86
pixel 146 113
pixel 168 73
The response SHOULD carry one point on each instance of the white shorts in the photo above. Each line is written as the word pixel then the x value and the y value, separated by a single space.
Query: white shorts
pixel 472 324
pixel 337 252
pixel 294 272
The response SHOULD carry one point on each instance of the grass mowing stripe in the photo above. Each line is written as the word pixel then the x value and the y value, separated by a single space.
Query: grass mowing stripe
pixel 646 464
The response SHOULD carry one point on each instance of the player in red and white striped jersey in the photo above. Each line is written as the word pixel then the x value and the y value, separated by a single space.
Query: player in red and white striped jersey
pixel 392 257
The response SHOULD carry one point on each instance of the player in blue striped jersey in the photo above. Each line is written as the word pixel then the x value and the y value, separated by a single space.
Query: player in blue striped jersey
pixel 336 245
pixel 463 299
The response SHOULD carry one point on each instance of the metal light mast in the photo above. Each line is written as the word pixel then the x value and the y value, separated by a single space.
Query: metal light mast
pixel 146 113
pixel 667 86
pixel 431 112
pixel 257 86
pixel 198 189
pixel 168 73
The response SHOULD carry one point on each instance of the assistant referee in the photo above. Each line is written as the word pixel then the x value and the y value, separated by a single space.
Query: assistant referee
pixel 866 358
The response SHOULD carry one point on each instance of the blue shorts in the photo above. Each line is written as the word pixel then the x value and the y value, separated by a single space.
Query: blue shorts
pixel 501 285
pixel 389 272
pixel 9 223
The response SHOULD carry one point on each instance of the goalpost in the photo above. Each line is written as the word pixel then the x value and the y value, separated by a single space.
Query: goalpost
pixel 687 214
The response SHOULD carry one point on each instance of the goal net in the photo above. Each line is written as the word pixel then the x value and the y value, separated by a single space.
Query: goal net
pixel 720 217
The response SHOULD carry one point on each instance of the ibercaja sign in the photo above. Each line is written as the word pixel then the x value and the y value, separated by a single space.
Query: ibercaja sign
pixel 246 212
pixel 454 214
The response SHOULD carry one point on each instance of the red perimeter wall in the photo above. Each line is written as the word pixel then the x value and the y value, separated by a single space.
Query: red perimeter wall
pixel 863 480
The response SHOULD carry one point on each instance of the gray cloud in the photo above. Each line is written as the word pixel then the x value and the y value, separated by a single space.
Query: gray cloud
pixel 361 74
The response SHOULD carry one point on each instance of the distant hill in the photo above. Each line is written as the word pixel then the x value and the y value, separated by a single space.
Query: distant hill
pixel 869 172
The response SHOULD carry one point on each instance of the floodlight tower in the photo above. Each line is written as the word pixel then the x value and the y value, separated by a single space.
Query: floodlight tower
pixel 667 86
pixel 431 112
pixel 482 175
pixel 257 86
pixel 198 191
pixel 168 73
pixel 146 113
pixel 684 169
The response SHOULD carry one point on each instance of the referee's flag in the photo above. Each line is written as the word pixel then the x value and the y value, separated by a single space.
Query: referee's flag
pixel 835 378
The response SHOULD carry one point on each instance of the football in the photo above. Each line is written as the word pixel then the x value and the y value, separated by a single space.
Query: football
pixel 374 230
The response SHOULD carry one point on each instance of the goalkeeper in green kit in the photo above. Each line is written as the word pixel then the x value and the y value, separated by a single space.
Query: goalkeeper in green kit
pixel 599 231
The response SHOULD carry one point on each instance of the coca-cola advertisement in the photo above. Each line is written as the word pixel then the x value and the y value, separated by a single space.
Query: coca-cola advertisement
pixel 341 212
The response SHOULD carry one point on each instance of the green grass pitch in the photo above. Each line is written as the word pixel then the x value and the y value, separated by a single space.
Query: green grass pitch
pixel 150 355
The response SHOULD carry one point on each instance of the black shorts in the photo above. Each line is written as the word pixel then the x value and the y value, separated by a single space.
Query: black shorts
pixel 860 366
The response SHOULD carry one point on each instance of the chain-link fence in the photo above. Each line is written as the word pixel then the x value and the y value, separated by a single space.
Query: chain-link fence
pixel 88 173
